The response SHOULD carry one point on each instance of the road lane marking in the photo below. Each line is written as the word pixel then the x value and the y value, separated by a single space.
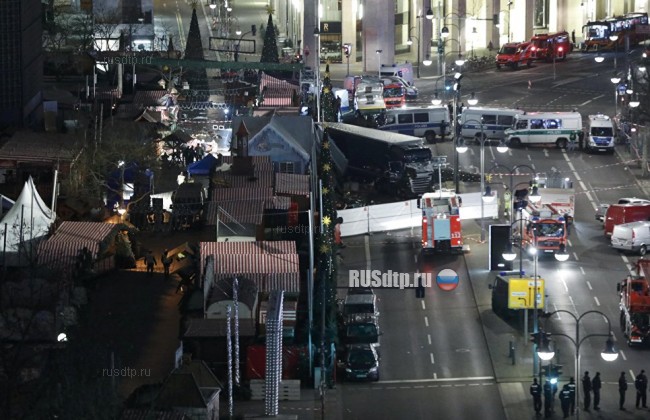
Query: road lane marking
pixel 423 307
pixel 565 286
pixel 582 184
pixel 419 381
pixel 545 153
pixel 435 375
pixel 597 301
pixel 590 100
pixel 589 285
pixel 623 354
pixel 575 256
pixel 432 360
pixel 556 312
pixel 429 338
pixel 625 260
pixel 582 270
pixel 569 242
pixel 571 167
pixel 426 321
pixel 577 175
pixel 632 375
pixel 575 310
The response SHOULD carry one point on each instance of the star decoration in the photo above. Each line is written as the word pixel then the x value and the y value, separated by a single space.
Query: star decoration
pixel 324 248
pixel 270 10
pixel 327 220
pixel 327 167
pixel 326 190
pixel 326 145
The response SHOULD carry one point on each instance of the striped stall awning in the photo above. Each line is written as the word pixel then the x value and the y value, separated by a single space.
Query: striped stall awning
pixel 83 232
pixel 260 163
pixel 267 282
pixel 256 263
pixel 62 255
pixel 258 247
pixel 277 203
pixel 247 211
pixel 149 97
pixel 240 194
pixel 260 179
pixel 292 184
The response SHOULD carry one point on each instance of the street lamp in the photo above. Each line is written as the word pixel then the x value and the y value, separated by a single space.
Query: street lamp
pixel 486 197
pixel 427 61
pixel 533 197
pixel 614 39
pixel 609 353
pixel 378 62
pixel 615 80
pixel 410 42
pixel 317 35
pixel 599 58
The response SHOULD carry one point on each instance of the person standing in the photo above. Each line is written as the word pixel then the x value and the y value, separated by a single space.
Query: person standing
pixel 150 261
pixel 586 387
pixel 641 385
pixel 572 388
pixel 595 386
pixel 565 400
pixel 536 392
pixel 166 262
pixel 548 399
pixel 622 388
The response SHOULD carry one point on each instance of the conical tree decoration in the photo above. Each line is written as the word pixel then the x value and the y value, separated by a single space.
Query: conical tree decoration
pixel 270 47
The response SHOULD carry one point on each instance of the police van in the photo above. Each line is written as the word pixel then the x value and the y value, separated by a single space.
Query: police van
pixel 495 121
pixel 419 122
pixel 558 128
pixel 600 134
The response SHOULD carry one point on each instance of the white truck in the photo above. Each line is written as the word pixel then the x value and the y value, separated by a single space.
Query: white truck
pixel 369 98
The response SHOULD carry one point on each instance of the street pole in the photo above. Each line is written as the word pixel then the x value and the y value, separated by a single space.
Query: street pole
pixel 455 113
pixel 419 18
pixel 482 184
pixel 535 320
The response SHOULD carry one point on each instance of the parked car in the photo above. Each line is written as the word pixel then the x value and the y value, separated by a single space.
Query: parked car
pixel 602 208
pixel 361 362
pixel 634 237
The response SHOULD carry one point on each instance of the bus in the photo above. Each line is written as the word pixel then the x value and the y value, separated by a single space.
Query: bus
pixel 633 26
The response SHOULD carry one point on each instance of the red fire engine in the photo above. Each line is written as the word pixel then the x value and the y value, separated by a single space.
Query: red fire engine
pixel 551 46
pixel 441 229
pixel 635 305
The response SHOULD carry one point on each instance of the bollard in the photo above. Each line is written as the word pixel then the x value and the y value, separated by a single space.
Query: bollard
pixel 511 353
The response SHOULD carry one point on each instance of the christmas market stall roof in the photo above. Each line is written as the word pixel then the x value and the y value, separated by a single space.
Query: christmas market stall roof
pixel 292 184
pixel 29 219
pixel 221 296
pixel 42 148
pixel 277 92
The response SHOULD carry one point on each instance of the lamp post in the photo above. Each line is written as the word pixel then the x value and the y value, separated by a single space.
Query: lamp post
pixel 410 42
pixel 509 6
pixel 486 197
pixel 317 35
pixel 241 36
pixel 614 39
pixel 615 80
pixel 378 62
pixel 609 353
pixel 534 197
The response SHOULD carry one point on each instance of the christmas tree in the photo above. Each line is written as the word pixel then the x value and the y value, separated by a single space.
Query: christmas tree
pixel 197 78
pixel 325 286
pixel 270 47
pixel 328 104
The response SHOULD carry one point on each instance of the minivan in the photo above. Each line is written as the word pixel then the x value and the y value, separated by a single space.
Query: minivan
pixel 360 304
pixel 618 214
pixel 633 237
pixel 419 122
pixel 600 134
pixel 494 120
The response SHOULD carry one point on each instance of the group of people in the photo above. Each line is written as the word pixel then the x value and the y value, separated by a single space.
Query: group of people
pixel 590 387
pixel 184 155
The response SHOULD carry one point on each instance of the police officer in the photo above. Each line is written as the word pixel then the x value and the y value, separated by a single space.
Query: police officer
pixel 586 387
pixel 565 400
pixel 536 392
pixel 596 385
pixel 641 385
pixel 622 388
pixel 548 399
pixel 572 388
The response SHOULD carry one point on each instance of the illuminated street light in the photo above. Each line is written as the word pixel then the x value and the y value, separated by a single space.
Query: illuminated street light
pixel 599 58
pixel 473 100
pixel 427 61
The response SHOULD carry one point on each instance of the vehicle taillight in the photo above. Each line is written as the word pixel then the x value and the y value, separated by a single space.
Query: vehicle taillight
pixel 560 49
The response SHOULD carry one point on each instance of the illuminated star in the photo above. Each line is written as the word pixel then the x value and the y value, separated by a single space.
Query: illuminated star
pixel 327 167
pixel 327 220
pixel 326 145
pixel 270 10
pixel 326 190
pixel 324 248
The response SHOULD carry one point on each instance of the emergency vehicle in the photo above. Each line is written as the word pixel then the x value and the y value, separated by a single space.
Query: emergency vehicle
pixel 441 228
pixel 550 46
pixel 634 292
pixel 547 220
pixel 394 95
pixel 369 97
pixel 514 54
pixel 631 27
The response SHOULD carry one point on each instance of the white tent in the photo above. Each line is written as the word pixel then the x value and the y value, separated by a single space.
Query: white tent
pixel 29 219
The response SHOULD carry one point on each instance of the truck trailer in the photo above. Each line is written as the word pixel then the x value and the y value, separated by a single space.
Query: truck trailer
pixel 397 163
pixel 634 293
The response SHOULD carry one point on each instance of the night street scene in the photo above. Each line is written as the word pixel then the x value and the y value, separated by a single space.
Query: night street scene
pixel 309 210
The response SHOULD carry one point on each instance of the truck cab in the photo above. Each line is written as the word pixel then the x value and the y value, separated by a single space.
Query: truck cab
pixel 394 95
pixel 549 47
pixel 514 54
pixel 441 227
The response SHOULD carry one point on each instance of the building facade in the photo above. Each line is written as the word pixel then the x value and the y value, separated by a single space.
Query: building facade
pixel 370 26
pixel 21 62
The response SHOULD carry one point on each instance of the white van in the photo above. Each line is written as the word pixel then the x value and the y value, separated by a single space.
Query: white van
pixel 600 134
pixel 634 236
pixel 403 70
pixel 369 97
pixel 545 128
pixel 419 122
pixel 495 122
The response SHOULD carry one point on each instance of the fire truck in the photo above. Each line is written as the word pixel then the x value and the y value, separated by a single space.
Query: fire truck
pixel 635 305
pixel 550 47
pixel 546 227
pixel 394 95
pixel 514 54
pixel 441 228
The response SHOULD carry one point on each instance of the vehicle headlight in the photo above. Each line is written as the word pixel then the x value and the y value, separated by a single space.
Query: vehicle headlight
pixel 373 369
pixel 348 370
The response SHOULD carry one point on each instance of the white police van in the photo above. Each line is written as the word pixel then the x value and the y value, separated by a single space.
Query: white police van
pixel 600 134
pixel 556 128
pixel 494 120
pixel 419 122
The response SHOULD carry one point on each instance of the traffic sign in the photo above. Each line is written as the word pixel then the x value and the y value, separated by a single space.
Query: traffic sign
pixel 447 279
pixel 521 292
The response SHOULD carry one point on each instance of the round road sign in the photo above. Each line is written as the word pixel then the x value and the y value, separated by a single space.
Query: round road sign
pixel 447 279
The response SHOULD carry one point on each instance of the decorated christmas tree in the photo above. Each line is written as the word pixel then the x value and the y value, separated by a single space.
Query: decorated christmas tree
pixel 325 284
pixel 270 47
pixel 328 104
